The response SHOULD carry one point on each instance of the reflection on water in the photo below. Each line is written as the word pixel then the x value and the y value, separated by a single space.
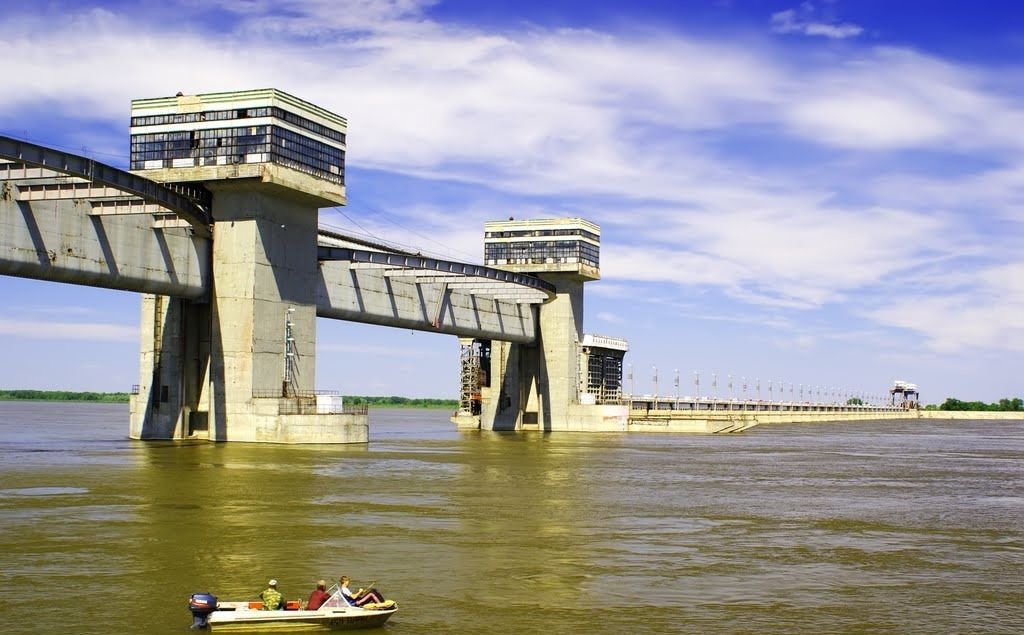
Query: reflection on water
pixel 853 528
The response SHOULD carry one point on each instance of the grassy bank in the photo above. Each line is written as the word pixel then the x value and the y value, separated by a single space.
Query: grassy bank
pixel 63 395
pixel 401 402
pixel 122 397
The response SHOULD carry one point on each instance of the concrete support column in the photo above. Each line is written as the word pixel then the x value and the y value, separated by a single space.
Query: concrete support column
pixel 505 404
pixel 172 401
pixel 560 330
pixel 264 286
pixel 535 387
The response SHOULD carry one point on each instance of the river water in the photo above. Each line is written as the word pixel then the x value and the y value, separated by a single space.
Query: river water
pixel 868 527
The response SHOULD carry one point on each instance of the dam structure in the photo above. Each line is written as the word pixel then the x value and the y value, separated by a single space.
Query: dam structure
pixel 215 225
pixel 269 162
pixel 564 381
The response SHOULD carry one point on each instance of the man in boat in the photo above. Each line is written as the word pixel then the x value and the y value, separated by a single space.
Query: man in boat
pixel 272 598
pixel 360 597
pixel 318 596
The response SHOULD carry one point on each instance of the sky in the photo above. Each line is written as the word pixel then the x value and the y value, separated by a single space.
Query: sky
pixel 825 193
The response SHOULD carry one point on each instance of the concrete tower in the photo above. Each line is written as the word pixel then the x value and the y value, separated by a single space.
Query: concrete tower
pixel 539 387
pixel 242 366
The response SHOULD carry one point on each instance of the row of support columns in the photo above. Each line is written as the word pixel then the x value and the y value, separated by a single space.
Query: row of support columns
pixel 241 367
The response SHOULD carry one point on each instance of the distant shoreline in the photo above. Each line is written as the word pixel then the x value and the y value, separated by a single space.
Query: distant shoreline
pixel 64 395
pixel 123 397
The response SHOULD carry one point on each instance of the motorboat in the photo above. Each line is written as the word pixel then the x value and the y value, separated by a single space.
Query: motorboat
pixel 336 614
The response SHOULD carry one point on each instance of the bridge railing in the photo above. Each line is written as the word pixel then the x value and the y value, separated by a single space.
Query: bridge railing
pixel 704 404
pixel 310 402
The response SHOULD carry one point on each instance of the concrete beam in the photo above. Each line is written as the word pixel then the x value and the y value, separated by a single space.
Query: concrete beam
pixel 61 240
pixel 367 295
pixel 60 191
pixel 393 261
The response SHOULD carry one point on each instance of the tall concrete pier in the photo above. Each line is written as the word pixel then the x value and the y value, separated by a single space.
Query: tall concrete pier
pixel 541 385
pixel 241 366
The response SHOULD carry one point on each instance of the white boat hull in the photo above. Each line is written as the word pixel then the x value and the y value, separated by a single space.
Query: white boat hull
pixel 329 619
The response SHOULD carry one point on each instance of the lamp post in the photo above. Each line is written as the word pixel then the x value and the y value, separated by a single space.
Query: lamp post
pixel 632 386
pixel 696 385
pixel 677 389
pixel 714 391
pixel 655 387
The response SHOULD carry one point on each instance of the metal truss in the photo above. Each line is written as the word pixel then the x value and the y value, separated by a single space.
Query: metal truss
pixel 472 279
pixel 38 173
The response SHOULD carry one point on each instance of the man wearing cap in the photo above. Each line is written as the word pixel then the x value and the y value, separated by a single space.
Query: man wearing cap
pixel 271 597
pixel 318 596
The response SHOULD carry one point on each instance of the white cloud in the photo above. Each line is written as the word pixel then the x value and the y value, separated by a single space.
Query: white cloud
pixel 314 18
pixel 374 350
pixel 805 20
pixel 620 127
pixel 610 318
pixel 987 315
pixel 799 257
pixel 997 193
pixel 43 330
pixel 868 121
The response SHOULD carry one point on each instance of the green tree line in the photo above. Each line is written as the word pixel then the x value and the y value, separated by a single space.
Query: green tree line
pixel 1003 405
pixel 63 395
pixel 400 402
pixel 122 397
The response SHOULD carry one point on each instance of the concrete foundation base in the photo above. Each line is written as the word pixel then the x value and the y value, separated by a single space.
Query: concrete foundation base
pixel 319 428
pixel 704 422
pixel 288 429
pixel 578 418
pixel 593 418
pixel 465 421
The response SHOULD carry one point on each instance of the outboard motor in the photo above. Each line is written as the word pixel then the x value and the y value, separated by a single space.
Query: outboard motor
pixel 201 605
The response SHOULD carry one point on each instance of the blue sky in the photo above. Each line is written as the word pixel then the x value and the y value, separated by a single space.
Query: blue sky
pixel 823 193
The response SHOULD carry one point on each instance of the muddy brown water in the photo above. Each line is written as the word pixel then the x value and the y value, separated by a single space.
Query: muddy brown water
pixel 867 527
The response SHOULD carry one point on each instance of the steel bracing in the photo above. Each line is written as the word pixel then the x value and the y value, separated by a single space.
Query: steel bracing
pixel 41 173
pixel 469 278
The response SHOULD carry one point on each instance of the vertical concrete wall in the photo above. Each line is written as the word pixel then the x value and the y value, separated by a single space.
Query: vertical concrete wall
pixel 561 328
pixel 536 387
pixel 172 399
pixel 217 370
pixel 264 262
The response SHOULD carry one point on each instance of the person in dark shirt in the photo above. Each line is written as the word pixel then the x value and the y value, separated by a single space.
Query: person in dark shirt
pixel 318 596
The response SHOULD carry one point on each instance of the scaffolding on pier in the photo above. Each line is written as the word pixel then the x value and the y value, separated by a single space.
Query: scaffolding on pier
pixel 474 364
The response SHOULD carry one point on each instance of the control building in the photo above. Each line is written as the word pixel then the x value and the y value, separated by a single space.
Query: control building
pixel 241 365
pixel 904 395
pixel 544 386
pixel 601 369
